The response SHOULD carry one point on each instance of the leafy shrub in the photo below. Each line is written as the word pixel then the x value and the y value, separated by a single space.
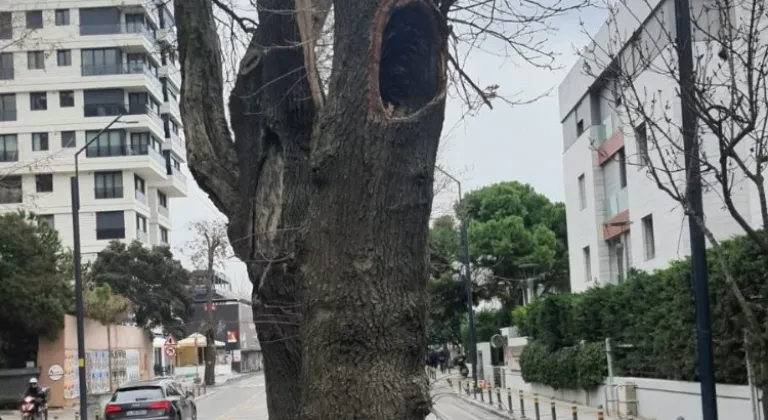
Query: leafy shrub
pixel 651 315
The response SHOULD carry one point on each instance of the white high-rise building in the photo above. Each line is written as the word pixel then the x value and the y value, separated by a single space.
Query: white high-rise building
pixel 617 216
pixel 67 69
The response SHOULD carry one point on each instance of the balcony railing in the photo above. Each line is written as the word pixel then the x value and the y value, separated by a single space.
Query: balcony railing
pixel 141 197
pixel 103 110
pixel 142 236
pixel 108 192
pixel 163 211
pixel 616 202
pixel 117 28
pixel 136 109
pixel 176 173
pixel 177 139
pixel 606 129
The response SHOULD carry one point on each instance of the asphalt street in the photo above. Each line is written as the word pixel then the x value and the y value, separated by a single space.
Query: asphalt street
pixel 244 399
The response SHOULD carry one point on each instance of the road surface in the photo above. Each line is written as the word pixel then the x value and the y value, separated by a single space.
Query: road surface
pixel 244 399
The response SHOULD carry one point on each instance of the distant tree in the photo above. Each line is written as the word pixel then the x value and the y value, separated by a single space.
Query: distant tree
pixel 447 299
pixel 35 280
pixel 516 234
pixel 207 251
pixel 150 278
pixel 109 309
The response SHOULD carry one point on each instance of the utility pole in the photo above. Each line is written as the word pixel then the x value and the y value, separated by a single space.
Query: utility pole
pixel 466 277
pixel 210 335
pixel 79 303
pixel 695 207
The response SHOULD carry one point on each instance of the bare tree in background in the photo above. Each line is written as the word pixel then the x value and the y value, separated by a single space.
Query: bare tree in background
pixel 208 251
pixel 731 108
pixel 328 185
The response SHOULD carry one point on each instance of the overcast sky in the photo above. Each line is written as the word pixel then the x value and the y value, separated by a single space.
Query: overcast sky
pixel 522 143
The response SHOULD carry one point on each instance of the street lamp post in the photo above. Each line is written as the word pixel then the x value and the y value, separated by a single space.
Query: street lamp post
pixel 79 304
pixel 464 244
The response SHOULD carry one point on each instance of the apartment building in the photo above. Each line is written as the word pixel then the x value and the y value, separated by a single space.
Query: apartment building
pixel 617 216
pixel 67 69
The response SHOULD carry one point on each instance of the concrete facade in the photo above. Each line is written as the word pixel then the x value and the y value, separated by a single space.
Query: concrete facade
pixel 618 218
pixel 67 69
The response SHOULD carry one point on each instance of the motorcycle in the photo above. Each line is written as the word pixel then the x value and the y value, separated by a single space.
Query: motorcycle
pixel 32 409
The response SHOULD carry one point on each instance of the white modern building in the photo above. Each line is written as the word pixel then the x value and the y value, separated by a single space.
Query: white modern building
pixel 617 216
pixel 67 69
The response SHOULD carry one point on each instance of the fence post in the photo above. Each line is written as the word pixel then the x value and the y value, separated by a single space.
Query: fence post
pixel 600 415
pixel 482 395
pixel 536 406
pixel 553 409
pixel 522 405
pixel 575 412
pixel 509 400
pixel 498 398
pixel 490 395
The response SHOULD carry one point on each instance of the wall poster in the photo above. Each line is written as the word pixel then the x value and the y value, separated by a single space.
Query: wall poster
pixel 71 378
pixel 132 366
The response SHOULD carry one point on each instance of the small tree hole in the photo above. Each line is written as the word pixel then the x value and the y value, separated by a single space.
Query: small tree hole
pixel 409 68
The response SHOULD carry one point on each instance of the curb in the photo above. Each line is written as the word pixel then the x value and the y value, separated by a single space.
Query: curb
pixel 487 409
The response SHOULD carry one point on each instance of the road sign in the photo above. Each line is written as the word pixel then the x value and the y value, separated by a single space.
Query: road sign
pixel 170 341
pixel 170 351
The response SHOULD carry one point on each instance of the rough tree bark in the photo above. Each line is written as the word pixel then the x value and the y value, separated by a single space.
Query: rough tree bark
pixel 336 244
pixel 373 161
pixel 259 179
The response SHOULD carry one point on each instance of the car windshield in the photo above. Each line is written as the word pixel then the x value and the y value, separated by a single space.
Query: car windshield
pixel 138 394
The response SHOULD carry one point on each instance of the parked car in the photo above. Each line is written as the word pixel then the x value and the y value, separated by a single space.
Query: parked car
pixel 158 399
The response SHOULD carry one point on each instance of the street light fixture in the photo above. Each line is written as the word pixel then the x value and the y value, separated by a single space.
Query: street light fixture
pixel 79 304
pixel 464 239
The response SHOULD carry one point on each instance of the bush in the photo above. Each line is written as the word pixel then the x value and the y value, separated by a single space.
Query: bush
pixel 654 314
pixel 572 367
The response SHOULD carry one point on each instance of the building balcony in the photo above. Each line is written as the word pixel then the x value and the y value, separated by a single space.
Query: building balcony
pixel 145 161
pixel 163 211
pixel 104 193
pixel 118 29
pixel 606 129
pixel 140 197
pixel 142 236
pixel 6 74
pixel 175 184
pixel 172 73
pixel 8 115
pixel 616 203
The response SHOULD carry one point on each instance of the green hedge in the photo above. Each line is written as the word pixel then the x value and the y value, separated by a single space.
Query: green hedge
pixel 654 313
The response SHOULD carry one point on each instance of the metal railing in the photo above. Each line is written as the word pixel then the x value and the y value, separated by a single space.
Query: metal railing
pixel 616 202
pixel 163 211
pixel 117 28
pixel 140 197
pixel 103 110
pixel 142 236
pixel 8 115
pixel 606 129
pixel 108 192
pixel 176 172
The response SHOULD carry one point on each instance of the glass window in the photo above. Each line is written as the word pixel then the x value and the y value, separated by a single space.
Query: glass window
pixel 6 66
pixel 39 142
pixel 34 19
pixel 109 143
pixel 140 143
pixel 138 394
pixel 141 223
pixel 66 98
pixel 38 101
pixel 44 182
pixel 163 235
pixel 108 184
pixel 101 61
pixel 64 58
pixel 62 17
pixel 68 139
pixel 162 199
pixel 10 190
pixel 6 25
pixel 110 225
pixel 35 60
pixel 8 107
pixel 46 219
pixel 140 184
pixel 9 148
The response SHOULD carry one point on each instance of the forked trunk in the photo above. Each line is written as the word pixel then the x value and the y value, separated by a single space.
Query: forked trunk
pixel 364 327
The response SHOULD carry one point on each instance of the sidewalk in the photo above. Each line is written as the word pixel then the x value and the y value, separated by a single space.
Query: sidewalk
pixel 65 414
pixel 525 409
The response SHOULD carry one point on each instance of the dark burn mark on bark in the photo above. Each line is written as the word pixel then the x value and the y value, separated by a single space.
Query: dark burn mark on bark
pixel 409 57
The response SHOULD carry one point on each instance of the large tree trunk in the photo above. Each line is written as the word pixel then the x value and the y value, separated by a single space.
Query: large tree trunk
pixel 364 327
pixel 210 357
